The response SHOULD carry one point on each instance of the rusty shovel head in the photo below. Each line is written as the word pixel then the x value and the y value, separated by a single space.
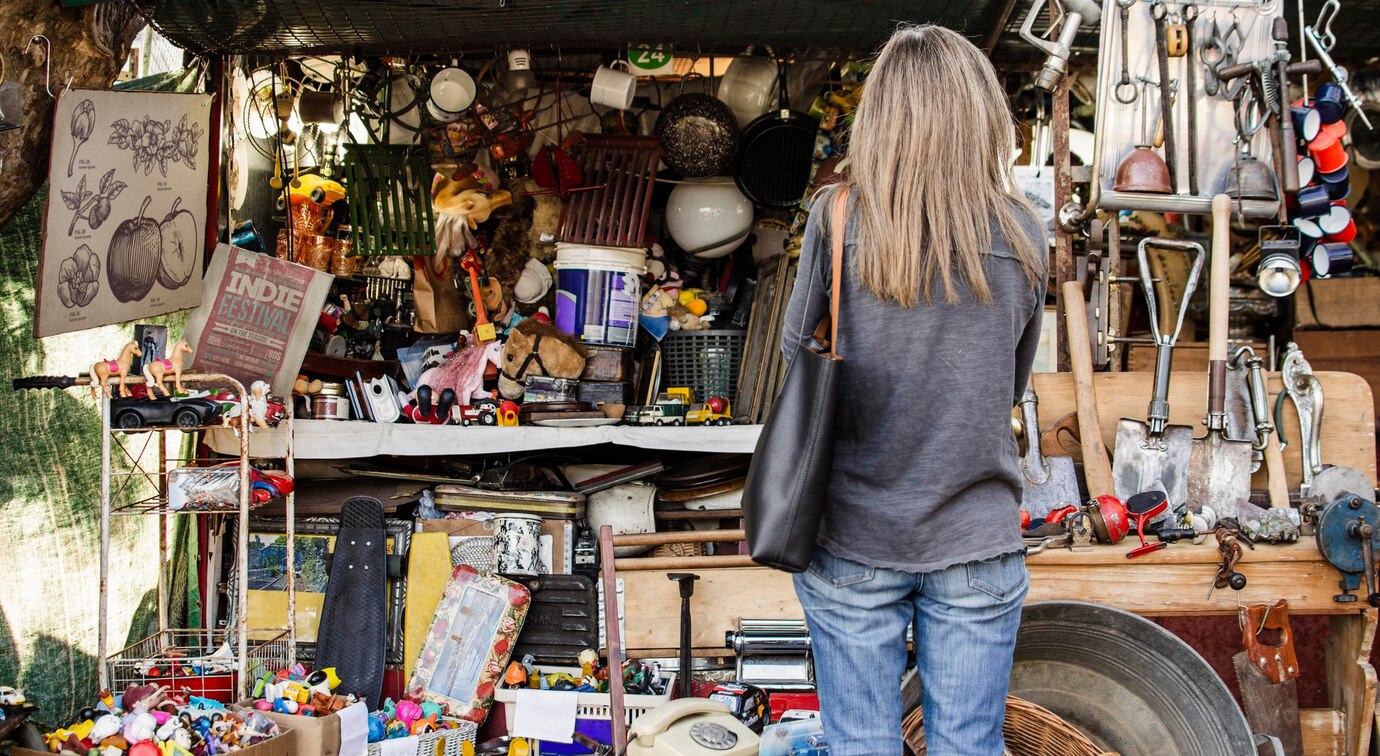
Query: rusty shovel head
pixel 1219 476
pixel 1048 487
pixel 1143 462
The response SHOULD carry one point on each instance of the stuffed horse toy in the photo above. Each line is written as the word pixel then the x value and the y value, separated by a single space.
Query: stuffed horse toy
pixel 156 371
pixel 538 348
pixel 101 372
pixel 462 372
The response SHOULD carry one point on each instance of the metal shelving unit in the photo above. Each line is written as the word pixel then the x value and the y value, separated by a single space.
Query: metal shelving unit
pixel 213 662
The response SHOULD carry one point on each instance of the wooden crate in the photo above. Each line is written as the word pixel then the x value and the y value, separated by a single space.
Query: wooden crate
pixel 1338 303
pixel 1353 351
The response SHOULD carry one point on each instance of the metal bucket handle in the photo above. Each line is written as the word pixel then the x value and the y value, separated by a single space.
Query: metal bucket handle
pixel 1158 412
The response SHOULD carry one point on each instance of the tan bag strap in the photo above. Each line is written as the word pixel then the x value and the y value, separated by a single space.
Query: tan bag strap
pixel 838 225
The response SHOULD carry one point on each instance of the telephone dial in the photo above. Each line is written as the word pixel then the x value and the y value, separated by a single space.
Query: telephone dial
pixel 691 727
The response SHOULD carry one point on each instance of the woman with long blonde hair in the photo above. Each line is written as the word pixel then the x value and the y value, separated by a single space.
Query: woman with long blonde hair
pixel 939 318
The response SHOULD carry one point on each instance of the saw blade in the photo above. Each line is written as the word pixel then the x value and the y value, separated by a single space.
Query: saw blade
pixel 1271 709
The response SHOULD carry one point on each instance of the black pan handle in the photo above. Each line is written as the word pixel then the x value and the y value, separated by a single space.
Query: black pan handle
pixel 44 382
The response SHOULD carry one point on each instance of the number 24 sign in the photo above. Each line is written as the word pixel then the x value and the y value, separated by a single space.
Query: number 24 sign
pixel 650 60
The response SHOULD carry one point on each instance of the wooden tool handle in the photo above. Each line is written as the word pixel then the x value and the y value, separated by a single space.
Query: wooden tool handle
pixel 679 536
pixel 1097 469
pixel 1277 475
pixel 1220 284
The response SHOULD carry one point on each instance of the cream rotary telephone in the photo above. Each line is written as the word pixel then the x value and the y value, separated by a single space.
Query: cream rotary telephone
pixel 691 727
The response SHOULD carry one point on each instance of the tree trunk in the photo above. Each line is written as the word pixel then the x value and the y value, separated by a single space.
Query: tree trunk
pixel 82 43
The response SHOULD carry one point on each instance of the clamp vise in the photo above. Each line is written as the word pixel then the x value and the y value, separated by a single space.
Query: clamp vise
pixel 1348 535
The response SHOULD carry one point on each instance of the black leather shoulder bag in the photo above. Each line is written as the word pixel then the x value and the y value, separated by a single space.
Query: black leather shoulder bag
pixel 789 477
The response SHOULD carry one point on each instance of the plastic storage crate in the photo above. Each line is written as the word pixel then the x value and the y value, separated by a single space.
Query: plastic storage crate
pixel 590 705
pixel 440 742
pixel 200 661
pixel 706 361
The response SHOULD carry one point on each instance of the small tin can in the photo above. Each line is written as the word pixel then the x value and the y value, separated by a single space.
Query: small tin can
pixel 331 403
pixel 517 544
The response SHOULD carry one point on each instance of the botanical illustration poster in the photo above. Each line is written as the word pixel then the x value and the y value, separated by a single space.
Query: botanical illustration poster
pixel 256 317
pixel 125 226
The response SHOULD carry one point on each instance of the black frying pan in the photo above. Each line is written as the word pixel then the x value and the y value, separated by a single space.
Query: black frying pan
pixel 773 166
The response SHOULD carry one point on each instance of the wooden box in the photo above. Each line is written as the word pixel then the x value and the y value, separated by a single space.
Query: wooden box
pixel 1349 351
pixel 1338 303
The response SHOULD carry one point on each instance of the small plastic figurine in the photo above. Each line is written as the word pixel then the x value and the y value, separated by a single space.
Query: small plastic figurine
pixel 102 371
pixel 156 371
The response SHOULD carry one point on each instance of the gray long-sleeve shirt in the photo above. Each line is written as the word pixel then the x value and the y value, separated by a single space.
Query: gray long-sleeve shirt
pixel 925 471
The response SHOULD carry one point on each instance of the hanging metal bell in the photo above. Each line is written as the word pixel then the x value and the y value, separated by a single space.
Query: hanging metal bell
pixel 1142 170
pixel 1253 180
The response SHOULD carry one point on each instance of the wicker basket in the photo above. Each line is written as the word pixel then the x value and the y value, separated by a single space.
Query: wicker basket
pixel 706 361
pixel 440 742
pixel 1030 730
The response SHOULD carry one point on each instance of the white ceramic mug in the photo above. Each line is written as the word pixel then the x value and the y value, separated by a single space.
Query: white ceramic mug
pixel 517 544
pixel 613 88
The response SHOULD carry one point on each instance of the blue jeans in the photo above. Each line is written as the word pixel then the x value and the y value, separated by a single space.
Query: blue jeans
pixel 966 619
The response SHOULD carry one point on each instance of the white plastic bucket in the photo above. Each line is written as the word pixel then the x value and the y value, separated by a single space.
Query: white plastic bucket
pixel 598 292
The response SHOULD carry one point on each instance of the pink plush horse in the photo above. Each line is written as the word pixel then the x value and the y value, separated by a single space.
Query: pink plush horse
pixel 462 371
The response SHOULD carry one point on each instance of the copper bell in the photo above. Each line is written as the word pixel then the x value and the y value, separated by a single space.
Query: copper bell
pixel 1143 170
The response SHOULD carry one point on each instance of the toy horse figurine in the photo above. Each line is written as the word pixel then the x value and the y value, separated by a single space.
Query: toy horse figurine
pixel 156 371
pixel 537 348
pixel 101 371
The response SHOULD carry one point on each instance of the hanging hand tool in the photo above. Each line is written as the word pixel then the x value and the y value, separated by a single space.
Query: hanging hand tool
pixel 1268 674
pixel 686 581
pixel 1076 13
pixel 1125 91
pixel 1097 472
pixel 1154 455
pixel 1048 482
pixel 1321 42
pixel 1219 472
pixel 1159 11
pixel 1190 12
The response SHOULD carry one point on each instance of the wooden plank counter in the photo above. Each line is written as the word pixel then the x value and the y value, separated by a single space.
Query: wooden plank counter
pixel 1170 582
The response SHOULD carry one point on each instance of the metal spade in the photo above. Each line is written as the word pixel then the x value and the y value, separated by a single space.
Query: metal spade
pixel 1219 473
pixel 1049 482
pixel 1153 455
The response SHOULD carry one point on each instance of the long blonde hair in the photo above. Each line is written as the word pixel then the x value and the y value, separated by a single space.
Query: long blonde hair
pixel 930 156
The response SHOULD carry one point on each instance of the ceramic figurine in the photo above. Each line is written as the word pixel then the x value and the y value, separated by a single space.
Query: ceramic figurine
pixel 156 371
pixel 103 370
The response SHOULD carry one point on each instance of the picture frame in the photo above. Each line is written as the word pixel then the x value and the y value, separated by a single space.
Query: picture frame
pixel 313 538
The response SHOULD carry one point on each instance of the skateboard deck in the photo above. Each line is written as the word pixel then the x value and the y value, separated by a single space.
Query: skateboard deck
pixel 353 630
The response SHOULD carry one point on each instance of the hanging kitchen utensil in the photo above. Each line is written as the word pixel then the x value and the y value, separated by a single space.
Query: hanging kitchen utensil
pixel 554 170
pixel 1048 482
pixel 699 134
pixel 1268 674
pixel 1153 455
pixel 775 154
pixel 1190 16
pixel 1142 170
pixel 1219 472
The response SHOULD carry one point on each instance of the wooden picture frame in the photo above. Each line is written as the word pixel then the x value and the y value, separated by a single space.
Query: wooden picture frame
pixel 313 538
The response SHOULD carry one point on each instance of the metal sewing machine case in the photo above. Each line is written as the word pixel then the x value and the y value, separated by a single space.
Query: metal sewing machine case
pixel 1199 141
pixel 773 654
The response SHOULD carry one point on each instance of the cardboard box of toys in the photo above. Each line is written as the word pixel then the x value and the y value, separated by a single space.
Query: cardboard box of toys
pixel 283 745
pixel 316 736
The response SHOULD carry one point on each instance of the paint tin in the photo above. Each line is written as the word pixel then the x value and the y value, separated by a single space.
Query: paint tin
pixel 517 544
pixel 598 292
pixel 331 403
